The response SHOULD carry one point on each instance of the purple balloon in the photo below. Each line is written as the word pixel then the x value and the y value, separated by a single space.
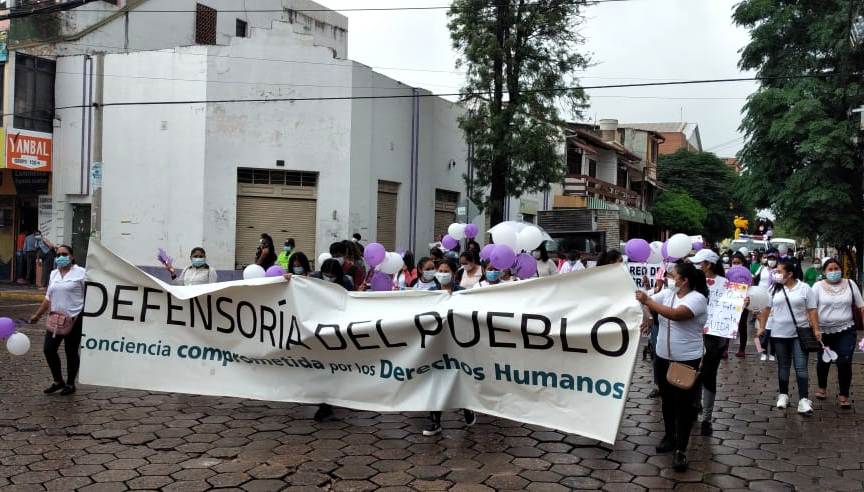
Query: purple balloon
pixel 381 282
pixel 638 250
pixel 698 245
pixel 374 254
pixel 275 271
pixel 449 242
pixel 7 328
pixel 665 253
pixel 526 266
pixel 486 252
pixel 471 231
pixel 739 275
pixel 502 256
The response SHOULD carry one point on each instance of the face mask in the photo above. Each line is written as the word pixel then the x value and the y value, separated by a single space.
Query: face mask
pixel 779 278
pixel 671 284
pixel 772 263
pixel 199 262
pixel 62 261
pixel 287 249
pixel 764 261
pixel 444 278
pixel 536 255
pixel 725 259
pixel 298 270
pixel 493 275
pixel 329 278
pixel 834 276
pixel 428 275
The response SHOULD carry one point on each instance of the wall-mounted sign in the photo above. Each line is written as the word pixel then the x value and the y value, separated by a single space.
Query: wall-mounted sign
pixel 30 182
pixel 28 151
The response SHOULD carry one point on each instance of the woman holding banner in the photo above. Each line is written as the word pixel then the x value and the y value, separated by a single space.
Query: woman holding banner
pixel 838 300
pixel 446 279
pixel 792 306
pixel 709 263
pixel 426 271
pixel 683 310
pixel 199 273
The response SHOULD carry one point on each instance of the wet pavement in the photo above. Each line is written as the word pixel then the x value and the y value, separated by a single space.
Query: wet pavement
pixel 115 439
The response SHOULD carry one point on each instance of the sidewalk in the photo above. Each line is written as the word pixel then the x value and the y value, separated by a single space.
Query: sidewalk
pixel 15 292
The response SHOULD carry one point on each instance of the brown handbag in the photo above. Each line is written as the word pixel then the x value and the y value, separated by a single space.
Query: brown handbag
pixel 60 324
pixel 679 375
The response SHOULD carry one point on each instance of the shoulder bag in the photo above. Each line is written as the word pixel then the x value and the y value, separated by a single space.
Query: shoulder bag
pixel 856 313
pixel 60 324
pixel 805 335
pixel 679 375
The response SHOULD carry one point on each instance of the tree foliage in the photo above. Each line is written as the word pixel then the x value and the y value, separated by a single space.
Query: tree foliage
pixel 518 54
pixel 799 156
pixel 707 179
pixel 677 211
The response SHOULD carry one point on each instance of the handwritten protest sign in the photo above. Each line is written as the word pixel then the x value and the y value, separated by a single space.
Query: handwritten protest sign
pixel 725 304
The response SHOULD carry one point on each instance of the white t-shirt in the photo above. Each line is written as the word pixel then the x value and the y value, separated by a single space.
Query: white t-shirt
pixel 568 267
pixel 546 268
pixel 802 298
pixel 686 338
pixel 764 276
pixel 197 276
pixel 835 304
pixel 66 293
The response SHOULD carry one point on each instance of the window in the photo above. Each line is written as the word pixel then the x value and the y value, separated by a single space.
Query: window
pixel 34 93
pixel 205 24
pixel 277 177
pixel 241 28
pixel 592 168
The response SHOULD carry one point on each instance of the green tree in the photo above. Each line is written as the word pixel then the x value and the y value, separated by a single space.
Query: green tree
pixel 709 181
pixel 677 211
pixel 799 155
pixel 520 55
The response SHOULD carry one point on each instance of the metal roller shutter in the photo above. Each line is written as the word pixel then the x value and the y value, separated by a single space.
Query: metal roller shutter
pixel 265 204
pixel 388 194
pixel 445 211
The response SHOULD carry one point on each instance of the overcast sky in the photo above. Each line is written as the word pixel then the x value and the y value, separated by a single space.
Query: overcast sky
pixel 630 42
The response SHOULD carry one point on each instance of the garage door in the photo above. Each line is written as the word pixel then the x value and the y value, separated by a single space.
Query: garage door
pixel 388 194
pixel 445 211
pixel 280 203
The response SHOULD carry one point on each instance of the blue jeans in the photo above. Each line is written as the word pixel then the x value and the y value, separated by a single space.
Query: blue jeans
pixel 788 350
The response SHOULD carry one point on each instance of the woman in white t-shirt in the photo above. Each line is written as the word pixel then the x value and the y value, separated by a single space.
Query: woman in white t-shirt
pixel 683 310
pixel 545 266
pixel 65 295
pixel 784 324
pixel 836 299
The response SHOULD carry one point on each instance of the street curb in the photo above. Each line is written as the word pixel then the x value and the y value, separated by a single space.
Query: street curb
pixel 22 296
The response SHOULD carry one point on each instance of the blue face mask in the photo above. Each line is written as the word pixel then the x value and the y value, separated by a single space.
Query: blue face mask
pixel 298 270
pixel 834 276
pixel 287 249
pixel 199 262
pixel 493 275
pixel 62 261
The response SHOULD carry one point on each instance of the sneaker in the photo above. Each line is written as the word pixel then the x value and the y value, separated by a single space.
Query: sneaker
pixel 740 354
pixel 470 417
pixel 782 401
pixel 707 428
pixel 680 462
pixel 54 388
pixel 433 428
pixel 665 445
pixel 805 406
pixel 324 412
pixel 763 357
pixel 771 358
pixel 67 390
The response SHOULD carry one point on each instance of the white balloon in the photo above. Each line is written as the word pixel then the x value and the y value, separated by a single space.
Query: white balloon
pixel 457 231
pixel 507 237
pixel 759 298
pixel 656 254
pixel 530 239
pixel 18 344
pixel 322 258
pixel 253 272
pixel 679 245
pixel 393 262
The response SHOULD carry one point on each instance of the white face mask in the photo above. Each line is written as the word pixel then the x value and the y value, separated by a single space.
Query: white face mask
pixel 444 278
pixel 429 275
pixel 772 263
pixel 779 278
pixel 671 284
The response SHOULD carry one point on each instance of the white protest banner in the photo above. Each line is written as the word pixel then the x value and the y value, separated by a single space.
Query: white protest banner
pixel 640 270
pixel 725 304
pixel 557 352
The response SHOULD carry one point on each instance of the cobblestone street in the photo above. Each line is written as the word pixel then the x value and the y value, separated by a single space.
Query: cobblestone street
pixel 115 439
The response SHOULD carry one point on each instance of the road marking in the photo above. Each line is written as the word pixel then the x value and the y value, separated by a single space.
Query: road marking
pixel 19 305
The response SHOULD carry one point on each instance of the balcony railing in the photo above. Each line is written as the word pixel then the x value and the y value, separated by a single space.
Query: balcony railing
pixel 581 185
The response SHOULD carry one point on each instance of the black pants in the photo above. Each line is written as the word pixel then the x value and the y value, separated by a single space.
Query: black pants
pixel 743 331
pixel 47 266
pixel 715 347
pixel 680 406
pixel 31 267
pixel 73 345
pixel 844 344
